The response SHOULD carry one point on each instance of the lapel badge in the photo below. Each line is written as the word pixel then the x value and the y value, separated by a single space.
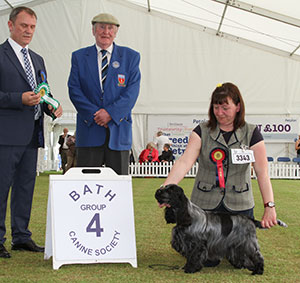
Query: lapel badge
pixel 116 64
pixel 121 80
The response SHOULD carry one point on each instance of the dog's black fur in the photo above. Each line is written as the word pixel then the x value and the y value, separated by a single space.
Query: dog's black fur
pixel 209 236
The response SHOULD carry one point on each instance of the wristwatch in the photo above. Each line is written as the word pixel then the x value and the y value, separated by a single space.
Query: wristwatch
pixel 269 204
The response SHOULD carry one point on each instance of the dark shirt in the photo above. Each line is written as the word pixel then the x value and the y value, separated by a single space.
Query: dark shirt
pixel 166 156
pixel 256 136
pixel 298 150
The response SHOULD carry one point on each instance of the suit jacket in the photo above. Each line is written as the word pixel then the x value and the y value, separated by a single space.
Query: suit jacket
pixel 61 141
pixel 118 98
pixel 166 156
pixel 16 119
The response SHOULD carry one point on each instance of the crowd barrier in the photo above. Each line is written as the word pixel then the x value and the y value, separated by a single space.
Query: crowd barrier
pixel 276 170
pixel 283 170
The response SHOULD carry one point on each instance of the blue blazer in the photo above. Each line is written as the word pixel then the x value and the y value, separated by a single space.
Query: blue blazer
pixel 118 98
pixel 17 120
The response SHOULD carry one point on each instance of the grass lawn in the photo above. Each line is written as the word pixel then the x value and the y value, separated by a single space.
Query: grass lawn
pixel 280 247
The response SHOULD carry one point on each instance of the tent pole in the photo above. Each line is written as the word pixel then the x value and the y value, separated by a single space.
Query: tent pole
pixel 295 50
pixel 11 6
pixel 261 12
pixel 223 15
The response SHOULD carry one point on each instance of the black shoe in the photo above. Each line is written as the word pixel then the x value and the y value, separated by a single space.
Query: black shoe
pixel 3 252
pixel 211 263
pixel 30 245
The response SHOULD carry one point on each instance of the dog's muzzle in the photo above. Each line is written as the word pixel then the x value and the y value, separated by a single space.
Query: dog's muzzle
pixel 161 196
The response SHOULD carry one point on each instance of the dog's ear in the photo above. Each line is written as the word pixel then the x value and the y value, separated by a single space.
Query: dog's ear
pixel 170 216
pixel 183 216
pixel 180 202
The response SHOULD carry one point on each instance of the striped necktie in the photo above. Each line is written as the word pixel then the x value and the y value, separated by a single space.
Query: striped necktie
pixel 29 74
pixel 104 66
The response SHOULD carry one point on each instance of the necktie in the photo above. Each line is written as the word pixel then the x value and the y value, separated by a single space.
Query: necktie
pixel 104 66
pixel 29 74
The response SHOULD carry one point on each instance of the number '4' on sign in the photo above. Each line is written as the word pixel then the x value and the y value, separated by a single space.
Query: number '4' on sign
pixel 94 225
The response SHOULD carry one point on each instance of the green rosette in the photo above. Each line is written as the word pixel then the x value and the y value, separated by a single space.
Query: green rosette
pixel 44 90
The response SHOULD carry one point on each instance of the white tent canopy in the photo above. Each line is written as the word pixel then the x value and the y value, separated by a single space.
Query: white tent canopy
pixel 272 23
pixel 187 48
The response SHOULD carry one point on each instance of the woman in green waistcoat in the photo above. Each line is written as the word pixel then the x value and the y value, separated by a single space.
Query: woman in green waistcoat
pixel 225 147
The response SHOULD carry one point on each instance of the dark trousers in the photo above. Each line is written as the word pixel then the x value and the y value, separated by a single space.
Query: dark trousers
pixel 18 171
pixel 64 159
pixel 103 155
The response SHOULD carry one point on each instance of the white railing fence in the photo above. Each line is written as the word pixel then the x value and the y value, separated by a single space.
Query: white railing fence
pixel 284 170
pixel 159 169
pixel 276 170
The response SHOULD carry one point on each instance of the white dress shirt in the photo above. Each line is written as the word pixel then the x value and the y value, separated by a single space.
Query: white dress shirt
pixel 109 52
pixel 17 49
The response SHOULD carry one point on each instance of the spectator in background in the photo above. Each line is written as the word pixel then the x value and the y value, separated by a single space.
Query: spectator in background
pixel 150 154
pixel 71 153
pixel 160 140
pixel 63 149
pixel 131 157
pixel 297 146
pixel 167 154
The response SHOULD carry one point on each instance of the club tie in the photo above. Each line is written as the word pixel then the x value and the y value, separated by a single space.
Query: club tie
pixel 29 74
pixel 104 66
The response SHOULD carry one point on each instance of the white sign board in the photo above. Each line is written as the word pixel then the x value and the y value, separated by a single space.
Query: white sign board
pixel 90 218
pixel 177 128
pixel 279 129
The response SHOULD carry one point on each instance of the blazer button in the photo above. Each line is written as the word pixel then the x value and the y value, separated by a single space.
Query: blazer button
pixel 121 119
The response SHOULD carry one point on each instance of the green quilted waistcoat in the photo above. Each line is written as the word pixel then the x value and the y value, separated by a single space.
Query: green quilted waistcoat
pixel 237 194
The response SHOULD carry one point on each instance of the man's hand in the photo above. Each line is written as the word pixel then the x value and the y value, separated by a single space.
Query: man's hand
pixel 58 112
pixel 102 118
pixel 30 98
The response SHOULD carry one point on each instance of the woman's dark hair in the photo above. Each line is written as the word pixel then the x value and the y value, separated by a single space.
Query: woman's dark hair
pixel 220 96
pixel 16 11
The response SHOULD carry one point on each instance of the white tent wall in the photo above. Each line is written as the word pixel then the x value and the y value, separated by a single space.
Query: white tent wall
pixel 181 64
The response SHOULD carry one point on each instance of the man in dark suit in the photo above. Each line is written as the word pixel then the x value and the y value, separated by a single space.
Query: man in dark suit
pixel 63 149
pixel 21 127
pixel 104 85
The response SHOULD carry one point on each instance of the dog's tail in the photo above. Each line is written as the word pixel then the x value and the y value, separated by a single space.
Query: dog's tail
pixel 279 222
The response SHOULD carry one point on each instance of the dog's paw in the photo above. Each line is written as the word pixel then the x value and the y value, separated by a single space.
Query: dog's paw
pixel 191 268
pixel 259 270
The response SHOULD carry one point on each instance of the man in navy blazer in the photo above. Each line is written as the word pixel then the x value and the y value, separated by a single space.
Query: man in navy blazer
pixel 21 132
pixel 104 97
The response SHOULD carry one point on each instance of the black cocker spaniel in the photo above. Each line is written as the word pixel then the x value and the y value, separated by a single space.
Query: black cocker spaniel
pixel 202 236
